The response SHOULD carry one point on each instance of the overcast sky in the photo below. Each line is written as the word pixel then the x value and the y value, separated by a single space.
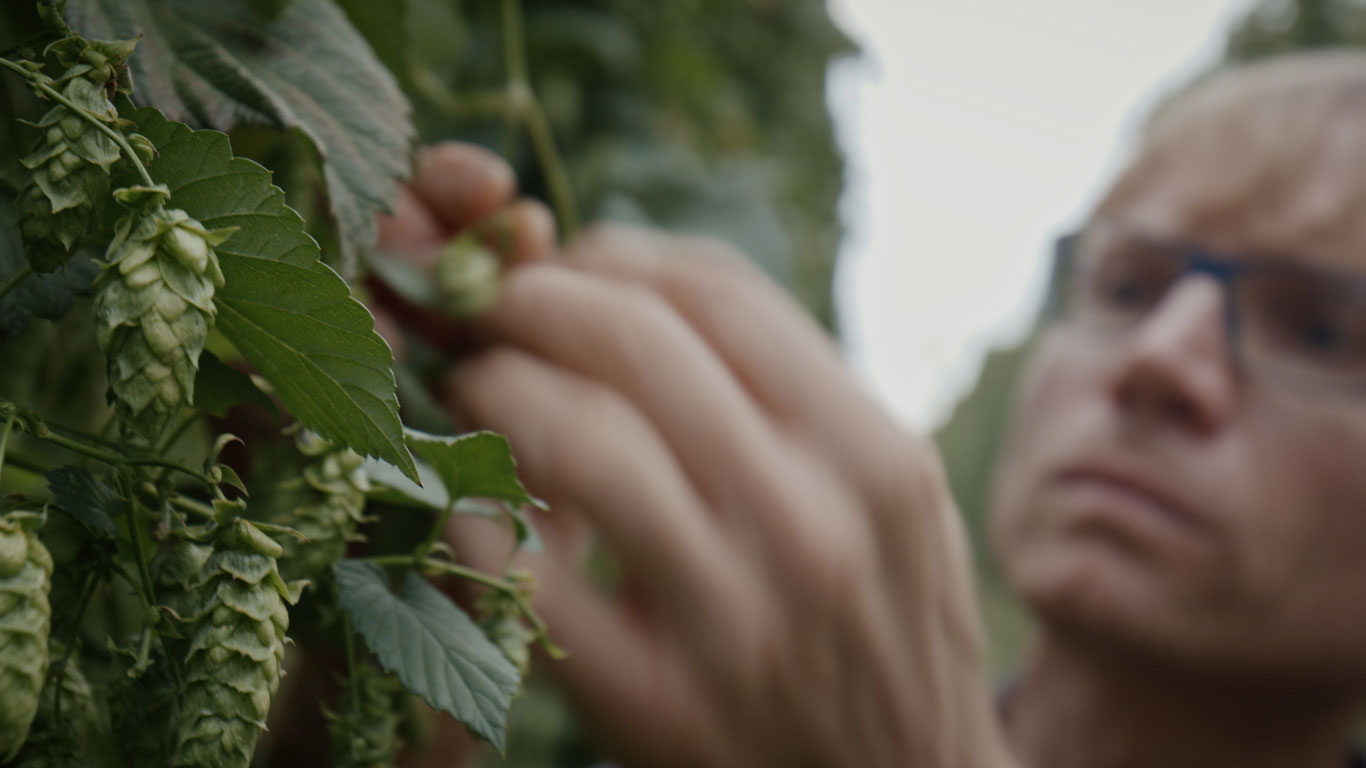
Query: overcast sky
pixel 976 131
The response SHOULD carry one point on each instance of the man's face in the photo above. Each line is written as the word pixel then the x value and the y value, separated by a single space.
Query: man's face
pixel 1156 498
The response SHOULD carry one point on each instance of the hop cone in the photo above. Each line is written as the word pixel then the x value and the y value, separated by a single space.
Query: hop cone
pixel 25 578
pixel 335 484
pixel 232 668
pixel 467 276
pixel 69 182
pixel 153 310
pixel 365 733
pixel 54 742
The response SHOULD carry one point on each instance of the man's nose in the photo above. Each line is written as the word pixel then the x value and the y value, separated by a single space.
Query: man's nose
pixel 1177 365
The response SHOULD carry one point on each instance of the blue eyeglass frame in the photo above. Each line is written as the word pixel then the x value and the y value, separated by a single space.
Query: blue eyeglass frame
pixel 1197 259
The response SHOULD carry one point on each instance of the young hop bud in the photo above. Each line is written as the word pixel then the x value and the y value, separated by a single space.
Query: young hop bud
pixel 365 733
pixel 154 309
pixel 232 668
pixel 467 275
pixel 335 485
pixel 69 180
pixel 25 616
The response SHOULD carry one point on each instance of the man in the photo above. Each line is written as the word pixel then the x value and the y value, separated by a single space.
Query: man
pixel 1181 499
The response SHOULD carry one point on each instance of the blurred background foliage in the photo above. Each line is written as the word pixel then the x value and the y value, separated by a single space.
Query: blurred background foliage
pixel 971 438
pixel 704 116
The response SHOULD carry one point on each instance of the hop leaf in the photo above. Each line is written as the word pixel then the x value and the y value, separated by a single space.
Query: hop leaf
pixel 232 668
pixel 366 732
pixel 154 309
pixel 25 616
pixel 335 484
pixel 69 177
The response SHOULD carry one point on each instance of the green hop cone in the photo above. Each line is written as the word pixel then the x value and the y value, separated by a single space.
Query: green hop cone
pixel 467 276
pixel 69 168
pixel 55 740
pixel 334 484
pixel 365 734
pixel 501 620
pixel 25 617
pixel 154 309
pixel 232 668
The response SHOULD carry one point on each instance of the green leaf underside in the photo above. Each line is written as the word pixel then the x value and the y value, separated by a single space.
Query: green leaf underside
pixel 89 502
pixel 219 387
pixel 433 647
pixel 221 64
pixel 49 295
pixel 291 316
pixel 477 464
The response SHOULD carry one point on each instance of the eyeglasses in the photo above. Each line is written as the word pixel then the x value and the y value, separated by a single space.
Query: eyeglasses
pixel 1290 322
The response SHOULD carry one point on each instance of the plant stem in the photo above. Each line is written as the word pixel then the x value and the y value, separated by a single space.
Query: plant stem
pixel 190 505
pixel 109 457
pixel 87 591
pixel 425 548
pixel 4 440
pixel 351 681
pixel 14 280
pixel 52 93
pixel 528 111
pixel 134 533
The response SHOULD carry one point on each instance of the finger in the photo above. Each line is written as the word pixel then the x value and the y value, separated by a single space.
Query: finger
pixel 462 183
pixel 576 440
pixel 523 232
pixel 784 360
pixel 633 344
pixel 412 230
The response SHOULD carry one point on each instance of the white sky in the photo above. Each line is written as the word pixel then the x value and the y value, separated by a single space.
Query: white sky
pixel 976 131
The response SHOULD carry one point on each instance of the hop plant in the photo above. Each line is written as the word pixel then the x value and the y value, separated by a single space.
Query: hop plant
pixel 365 734
pixel 154 308
pixel 60 203
pixel 336 484
pixel 25 616
pixel 232 668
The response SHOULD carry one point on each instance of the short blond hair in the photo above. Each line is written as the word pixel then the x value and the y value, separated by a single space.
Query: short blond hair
pixel 1282 140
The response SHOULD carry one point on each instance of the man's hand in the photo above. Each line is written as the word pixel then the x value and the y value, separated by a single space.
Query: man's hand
pixel 796 587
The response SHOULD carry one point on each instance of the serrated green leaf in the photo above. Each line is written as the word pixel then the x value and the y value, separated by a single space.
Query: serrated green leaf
pixel 291 316
pixel 477 464
pixel 49 295
pixel 435 649
pixel 89 502
pixel 218 387
pixel 221 64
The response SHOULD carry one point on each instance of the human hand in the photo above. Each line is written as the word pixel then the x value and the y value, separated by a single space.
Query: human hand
pixel 796 580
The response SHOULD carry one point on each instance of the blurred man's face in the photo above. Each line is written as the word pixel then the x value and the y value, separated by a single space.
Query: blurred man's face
pixel 1158 498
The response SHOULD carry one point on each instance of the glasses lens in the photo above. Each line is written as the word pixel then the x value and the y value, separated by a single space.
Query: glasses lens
pixel 1304 325
pixel 1118 278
